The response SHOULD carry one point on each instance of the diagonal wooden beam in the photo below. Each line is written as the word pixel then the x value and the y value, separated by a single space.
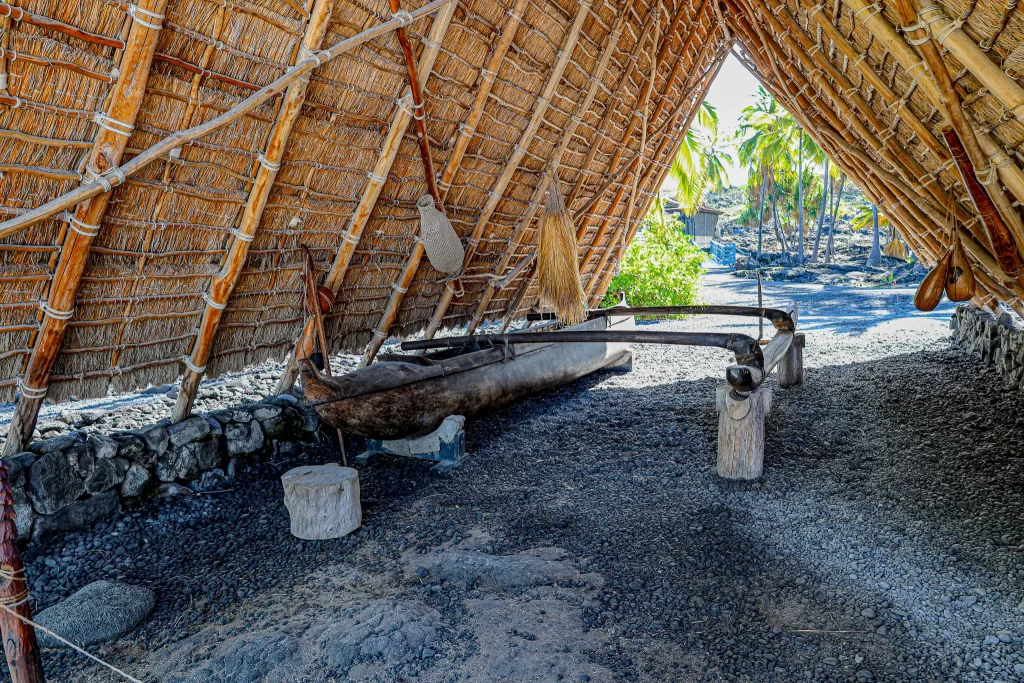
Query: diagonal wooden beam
pixel 535 202
pixel 223 283
pixel 380 333
pixel 603 274
pixel 468 129
pixel 116 126
pixel 400 121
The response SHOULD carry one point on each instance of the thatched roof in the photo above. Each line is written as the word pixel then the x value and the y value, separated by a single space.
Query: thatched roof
pixel 513 88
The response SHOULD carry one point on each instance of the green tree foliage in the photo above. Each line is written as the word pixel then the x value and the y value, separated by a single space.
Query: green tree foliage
pixel 700 165
pixel 662 266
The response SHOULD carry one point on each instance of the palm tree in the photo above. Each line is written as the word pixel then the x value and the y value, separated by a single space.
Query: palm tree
pixel 700 165
pixel 766 147
pixel 868 215
pixel 837 196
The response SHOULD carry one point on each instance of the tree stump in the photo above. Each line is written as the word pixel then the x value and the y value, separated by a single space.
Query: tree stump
pixel 322 501
pixel 791 367
pixel 741 432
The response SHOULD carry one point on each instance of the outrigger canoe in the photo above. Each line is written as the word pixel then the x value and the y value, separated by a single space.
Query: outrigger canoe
pixel 408 396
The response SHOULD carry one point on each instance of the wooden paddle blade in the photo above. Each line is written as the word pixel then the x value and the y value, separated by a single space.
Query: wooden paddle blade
pixel 929 292
pixel 960 285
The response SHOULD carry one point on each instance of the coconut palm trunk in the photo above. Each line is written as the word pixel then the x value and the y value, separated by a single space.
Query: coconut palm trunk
pixel 838 197
pixel 800 200
pixel 821 213
pixel 760 213
pixel 875 257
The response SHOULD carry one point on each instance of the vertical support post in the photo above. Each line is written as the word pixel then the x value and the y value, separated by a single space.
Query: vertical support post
pixel 117 125
pixel 20 646
pixel 741 432
pixel 791 367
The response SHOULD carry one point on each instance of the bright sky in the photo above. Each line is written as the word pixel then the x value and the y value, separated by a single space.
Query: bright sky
pixel 733 89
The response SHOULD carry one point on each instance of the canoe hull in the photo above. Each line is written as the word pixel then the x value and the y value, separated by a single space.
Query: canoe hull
pixel 470 385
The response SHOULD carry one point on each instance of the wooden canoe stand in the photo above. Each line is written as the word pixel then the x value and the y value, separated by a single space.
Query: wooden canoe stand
pixel 741 415
pixel 446 446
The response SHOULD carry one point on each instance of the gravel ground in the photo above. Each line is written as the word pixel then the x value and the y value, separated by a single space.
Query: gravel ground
pixel 587 537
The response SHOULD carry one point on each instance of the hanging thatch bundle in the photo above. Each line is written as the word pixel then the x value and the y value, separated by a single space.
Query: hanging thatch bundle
pixel 895 248
pixel 557 270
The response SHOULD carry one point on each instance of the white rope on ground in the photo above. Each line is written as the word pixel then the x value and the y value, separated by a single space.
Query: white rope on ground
pixel 33 624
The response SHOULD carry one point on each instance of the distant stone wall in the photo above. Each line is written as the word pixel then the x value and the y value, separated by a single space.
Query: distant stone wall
pixel 997 341
pixel 77 479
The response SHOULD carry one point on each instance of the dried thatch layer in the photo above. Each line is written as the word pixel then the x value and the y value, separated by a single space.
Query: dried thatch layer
pixel 168 229
pixel 601 90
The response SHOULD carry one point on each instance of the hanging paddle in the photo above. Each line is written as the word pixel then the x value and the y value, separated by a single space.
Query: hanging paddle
pixel 929 292
pixel 960 285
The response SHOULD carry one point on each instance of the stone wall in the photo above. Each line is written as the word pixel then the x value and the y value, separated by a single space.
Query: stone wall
pixel 75 480
pixel 997 341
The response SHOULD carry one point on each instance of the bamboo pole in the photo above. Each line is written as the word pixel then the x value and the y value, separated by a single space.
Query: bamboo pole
pixel 466 133
pixel 600 284
pixel 916 69
pixel 224 281
pixel 20 646
pixel 400 121
pixel 487 75
pixel 538 194
pixel 614 174
pixel 400 287
pixel 634 166
pixel 115 128
pixel 183 137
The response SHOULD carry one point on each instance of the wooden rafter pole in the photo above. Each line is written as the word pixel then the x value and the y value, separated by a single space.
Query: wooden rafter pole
pixel 160 149
pixel 614 176
pixel 633 168
pixel 556 158
pixel 224 281
pixel 400 121
pixel 1001 86
pixel 116 126
pixel 487 75
pixel 600 284
pixel 412 263
pixel 466 133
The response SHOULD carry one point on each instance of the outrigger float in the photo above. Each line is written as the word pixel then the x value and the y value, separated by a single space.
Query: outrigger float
pixel 408 396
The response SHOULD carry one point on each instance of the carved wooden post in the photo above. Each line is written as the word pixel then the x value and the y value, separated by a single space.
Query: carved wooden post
pixel 741 432
pixel 20 646
pixel 791 368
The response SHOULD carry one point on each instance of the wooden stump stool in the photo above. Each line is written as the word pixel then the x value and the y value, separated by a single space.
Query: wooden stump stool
pixel 322 501
pixel 791 367
pixel 741 432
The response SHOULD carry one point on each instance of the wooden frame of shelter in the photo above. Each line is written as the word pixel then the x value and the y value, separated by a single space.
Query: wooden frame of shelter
pixel 163 161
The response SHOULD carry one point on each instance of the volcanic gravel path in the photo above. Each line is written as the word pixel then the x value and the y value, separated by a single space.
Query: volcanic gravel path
pixel 587 538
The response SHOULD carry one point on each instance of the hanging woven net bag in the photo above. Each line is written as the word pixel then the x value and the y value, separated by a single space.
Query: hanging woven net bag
pixel 442 244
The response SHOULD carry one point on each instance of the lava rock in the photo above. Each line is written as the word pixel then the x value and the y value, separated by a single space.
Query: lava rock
pixel 53 483
pixel 187 431
pixel 102 446
pixel 157 439
pixel 79 515
pixel 130 446
pixel 106 475
pixel 135 481
pixel 178 464
pixel 207 453
pixel 243 438
pixel 17 468
pixel 98 613
pixel 57 443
